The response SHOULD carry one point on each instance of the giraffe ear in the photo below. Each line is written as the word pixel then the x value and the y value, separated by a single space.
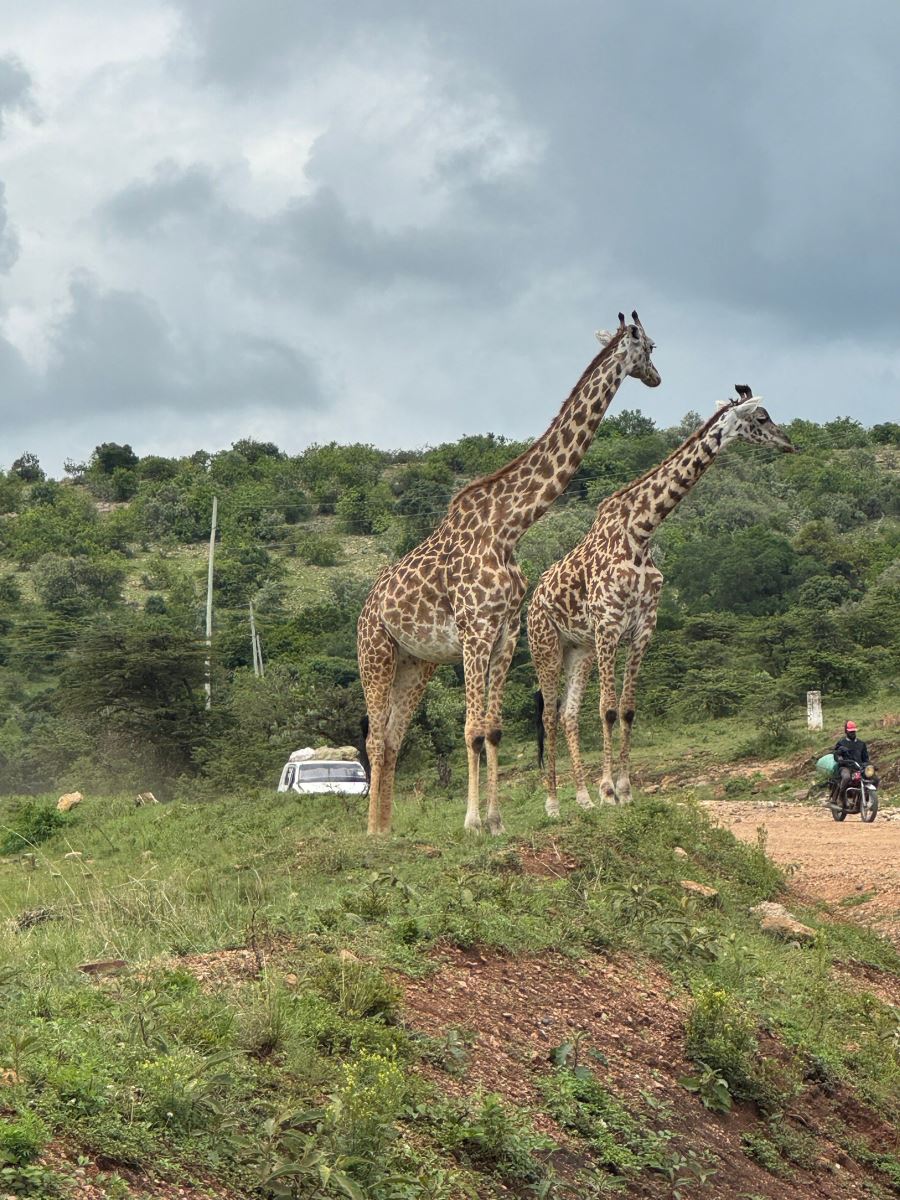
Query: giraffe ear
pixel 746 408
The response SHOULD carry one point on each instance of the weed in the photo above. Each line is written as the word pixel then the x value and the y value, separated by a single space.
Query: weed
pixel 357 990
pixel 580 1103
pixel 711 1086
pixel 492 1137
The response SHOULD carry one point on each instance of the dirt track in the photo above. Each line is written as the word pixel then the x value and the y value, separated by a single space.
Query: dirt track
pixel 832 861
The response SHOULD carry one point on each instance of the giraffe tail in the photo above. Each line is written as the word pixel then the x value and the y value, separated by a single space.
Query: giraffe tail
pixel 363 752
pixel 539 724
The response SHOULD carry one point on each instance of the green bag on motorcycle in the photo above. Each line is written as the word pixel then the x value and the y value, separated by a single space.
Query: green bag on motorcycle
pixel 826 765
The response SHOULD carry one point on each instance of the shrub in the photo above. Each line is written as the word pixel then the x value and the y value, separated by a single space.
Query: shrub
pixel 32 822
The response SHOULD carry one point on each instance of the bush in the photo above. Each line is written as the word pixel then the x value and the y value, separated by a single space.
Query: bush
pixel 22 1138
pixel 32 822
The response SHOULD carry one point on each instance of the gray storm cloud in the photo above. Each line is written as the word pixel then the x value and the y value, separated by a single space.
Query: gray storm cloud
pixel 304 222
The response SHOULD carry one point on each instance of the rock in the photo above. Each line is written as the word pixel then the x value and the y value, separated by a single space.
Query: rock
pixel 650 789
pixel 680 852
pixel 701 890
pixel 103 966
pixel 347 956
pixel 801 795
pixel 776 920
pixel 68 801
pixel 143 798
pixel 8 1077
pixel 291 980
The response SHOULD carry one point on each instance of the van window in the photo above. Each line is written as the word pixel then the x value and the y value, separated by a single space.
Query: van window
pixel 289 777
pixel 330 773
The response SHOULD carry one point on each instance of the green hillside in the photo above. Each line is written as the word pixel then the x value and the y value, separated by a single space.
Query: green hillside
pixel 782 575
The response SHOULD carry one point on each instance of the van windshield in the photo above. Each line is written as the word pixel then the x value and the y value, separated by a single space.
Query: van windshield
pixel 330 773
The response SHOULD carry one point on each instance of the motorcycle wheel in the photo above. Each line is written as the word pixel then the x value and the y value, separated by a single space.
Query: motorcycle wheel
pixel 839 815
pixel 869 809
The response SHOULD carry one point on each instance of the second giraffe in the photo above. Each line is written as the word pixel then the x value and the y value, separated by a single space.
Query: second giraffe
pixel 607 590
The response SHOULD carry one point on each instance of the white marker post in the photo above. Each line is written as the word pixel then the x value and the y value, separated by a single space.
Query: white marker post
pixel 814 710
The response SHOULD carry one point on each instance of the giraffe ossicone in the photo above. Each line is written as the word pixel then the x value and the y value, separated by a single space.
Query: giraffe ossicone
pixel 606 590
pixel 458 595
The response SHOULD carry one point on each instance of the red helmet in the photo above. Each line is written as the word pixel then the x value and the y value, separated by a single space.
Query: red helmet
pixel 850 727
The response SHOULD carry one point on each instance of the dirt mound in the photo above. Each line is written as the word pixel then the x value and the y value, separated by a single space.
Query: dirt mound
pixel 628 1020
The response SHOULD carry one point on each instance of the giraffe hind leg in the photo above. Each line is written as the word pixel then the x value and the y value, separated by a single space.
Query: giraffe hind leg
pixel 377 666
pixel 410 680
pixel 546 655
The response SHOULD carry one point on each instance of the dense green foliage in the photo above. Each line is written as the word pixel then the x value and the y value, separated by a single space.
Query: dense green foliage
pixel 782 575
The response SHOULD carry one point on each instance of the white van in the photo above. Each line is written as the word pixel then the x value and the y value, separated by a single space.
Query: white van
pixel 324 775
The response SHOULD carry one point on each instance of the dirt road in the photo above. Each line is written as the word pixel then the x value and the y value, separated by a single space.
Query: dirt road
pixel 847 862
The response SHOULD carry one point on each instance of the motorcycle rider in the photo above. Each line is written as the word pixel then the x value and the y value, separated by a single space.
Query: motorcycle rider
pixel 849 753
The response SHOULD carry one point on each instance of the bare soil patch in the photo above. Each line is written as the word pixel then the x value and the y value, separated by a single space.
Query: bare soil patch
pixel 518 1010
pixel 847 863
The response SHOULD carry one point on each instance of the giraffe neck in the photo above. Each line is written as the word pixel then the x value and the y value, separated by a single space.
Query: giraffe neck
pixel 512 499
pixel 651 498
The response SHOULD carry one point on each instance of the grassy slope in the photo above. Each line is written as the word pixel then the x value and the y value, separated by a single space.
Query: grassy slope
pixel 146 1069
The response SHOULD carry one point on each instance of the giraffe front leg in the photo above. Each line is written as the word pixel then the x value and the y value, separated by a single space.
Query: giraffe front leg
pixel 476 657
pixel 636 653
pixel 578 664
pixel 606 662
pixel 498 670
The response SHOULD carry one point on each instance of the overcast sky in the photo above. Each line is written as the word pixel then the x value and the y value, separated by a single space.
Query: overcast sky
pixel 402 221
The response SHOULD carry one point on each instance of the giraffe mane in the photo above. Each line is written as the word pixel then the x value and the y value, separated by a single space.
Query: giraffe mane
pixel 698 432
pixel 592 366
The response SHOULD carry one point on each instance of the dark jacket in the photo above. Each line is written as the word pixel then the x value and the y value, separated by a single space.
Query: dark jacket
pixel 852 751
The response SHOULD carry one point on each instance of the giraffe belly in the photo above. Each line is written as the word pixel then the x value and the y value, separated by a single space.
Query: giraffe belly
pixel 437 643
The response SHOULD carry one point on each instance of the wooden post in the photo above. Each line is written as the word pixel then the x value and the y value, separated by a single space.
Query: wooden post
pixel 254 641
pixel 814 710
pixel 209 595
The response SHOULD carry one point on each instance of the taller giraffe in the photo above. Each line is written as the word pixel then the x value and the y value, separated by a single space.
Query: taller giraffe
pixel 459 593
pixel 607 589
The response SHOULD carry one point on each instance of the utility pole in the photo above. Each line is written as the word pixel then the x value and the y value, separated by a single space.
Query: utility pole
pixel 209 595
pixel 262 669
pixel 254 641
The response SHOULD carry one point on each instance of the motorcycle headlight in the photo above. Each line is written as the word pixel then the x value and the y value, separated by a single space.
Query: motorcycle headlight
pixel 869 772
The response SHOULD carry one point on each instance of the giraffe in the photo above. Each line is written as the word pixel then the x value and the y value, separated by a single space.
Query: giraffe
pixel 607 590
pixel 458 595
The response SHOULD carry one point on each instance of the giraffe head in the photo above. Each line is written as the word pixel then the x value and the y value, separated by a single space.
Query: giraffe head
pixel 633 348
pixel 744 419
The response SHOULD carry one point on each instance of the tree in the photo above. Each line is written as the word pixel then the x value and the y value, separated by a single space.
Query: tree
pixel 110 456
pixel 133 684
pixel 75 585
pixel 28 468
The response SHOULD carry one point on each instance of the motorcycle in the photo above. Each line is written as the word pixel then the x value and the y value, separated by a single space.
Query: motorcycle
pixel 860 795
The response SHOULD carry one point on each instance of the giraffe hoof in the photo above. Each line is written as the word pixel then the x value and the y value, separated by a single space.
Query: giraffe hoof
pixel 473 824
pixel 583 799
pixel 552 809
pixel 607 794
pixel 495 825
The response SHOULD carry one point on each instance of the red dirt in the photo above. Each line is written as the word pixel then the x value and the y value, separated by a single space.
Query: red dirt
pixel 519 1010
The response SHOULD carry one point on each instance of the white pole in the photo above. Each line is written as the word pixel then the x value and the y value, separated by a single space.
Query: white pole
pixel 262 669
pixel 209 594
pixel 254 641
pixel 814 710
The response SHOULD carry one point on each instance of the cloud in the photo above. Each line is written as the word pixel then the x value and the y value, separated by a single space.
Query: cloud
pixel 310 222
